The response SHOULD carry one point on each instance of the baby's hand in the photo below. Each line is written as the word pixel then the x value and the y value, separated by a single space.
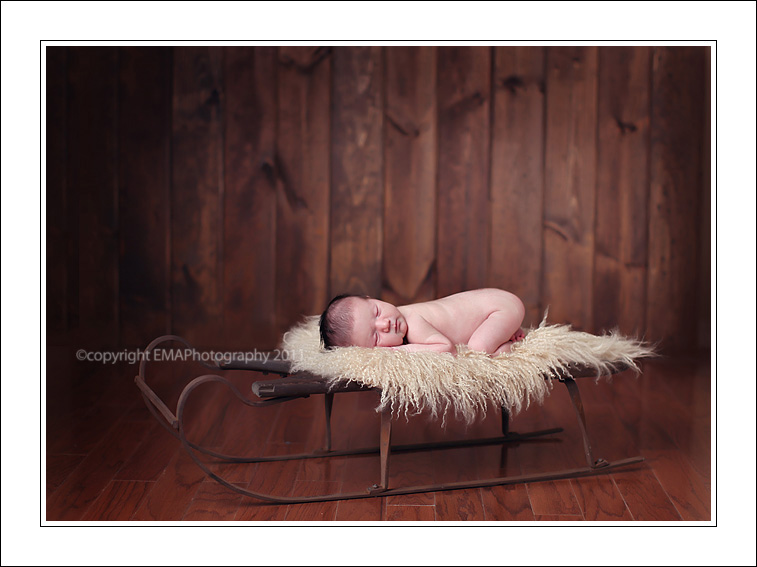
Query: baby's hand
pixel 517 335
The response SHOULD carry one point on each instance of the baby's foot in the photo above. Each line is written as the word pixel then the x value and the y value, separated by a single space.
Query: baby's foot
pixel 517 335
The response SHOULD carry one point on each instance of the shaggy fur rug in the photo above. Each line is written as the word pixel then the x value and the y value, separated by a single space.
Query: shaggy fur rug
pixel 468 383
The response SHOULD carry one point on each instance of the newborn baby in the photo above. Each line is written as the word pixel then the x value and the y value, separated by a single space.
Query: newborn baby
pixel 487 320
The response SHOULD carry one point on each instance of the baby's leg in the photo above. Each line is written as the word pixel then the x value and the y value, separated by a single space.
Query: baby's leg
pixel 496 333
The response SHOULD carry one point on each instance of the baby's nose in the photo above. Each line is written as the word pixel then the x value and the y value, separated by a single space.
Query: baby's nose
pixel 383 325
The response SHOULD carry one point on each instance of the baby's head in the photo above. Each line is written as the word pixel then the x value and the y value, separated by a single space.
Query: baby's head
pixel 359 320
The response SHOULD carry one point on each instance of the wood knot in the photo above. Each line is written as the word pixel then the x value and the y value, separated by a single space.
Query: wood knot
pixel 513 83
pixel 625 126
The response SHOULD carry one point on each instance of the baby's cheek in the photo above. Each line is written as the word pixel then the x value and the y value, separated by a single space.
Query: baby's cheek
pixel 394 340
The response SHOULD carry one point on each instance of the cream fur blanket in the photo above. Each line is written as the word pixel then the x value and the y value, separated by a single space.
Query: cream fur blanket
pixel 411 383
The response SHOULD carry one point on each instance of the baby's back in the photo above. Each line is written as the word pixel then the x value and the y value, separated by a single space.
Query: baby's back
pixel 457 316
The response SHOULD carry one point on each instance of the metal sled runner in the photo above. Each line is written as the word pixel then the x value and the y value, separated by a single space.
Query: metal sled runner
pixel 289 386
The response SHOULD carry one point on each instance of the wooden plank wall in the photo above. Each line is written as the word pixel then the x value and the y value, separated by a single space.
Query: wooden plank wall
pixel 221 193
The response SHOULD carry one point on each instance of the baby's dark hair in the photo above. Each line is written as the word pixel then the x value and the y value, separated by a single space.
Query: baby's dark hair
pixel 336 322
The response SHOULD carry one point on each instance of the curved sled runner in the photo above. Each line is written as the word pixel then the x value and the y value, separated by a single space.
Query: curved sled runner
pixel 289 386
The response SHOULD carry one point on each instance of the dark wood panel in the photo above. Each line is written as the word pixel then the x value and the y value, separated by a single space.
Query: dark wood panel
pixel 622 181
pixel 92 183
pixel 705 214
pixel 58 232
pixel 197 196
pixel 410 163
pixel 302 183
pixel 675 181
pixel 249 228
pixel 144 173
pixel 569 191
pixel 464 77
pixel 356 168
pixel 517 175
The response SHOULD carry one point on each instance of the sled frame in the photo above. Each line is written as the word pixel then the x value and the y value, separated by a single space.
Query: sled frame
pixel 302 385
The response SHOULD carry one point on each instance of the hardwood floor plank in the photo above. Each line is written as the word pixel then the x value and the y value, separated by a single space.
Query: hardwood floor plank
pixel 254 510
pixel 689 491
pixel 118 501
pixel 275 478
pixel 152 456
pixel 213 502
pixel 698 448
pixel 243 431
pixel 558 518
pixel 553 497
pixel 507 503
pixel 86 482
pixel 358 474
pixel 554 453
pixel 80 431
pixel 172 493
pixel 314 511
pixel 356 419
pixel 360 423
pixel 645 497
pixel 410 514
pixel 460 505
pixel 457 465
pixel 58 467
pixel 599 499
pixel 411 469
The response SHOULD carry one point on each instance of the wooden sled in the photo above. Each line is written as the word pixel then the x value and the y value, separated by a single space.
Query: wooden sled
pixel 289 386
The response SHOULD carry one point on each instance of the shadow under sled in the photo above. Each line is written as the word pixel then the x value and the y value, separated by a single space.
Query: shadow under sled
pixel 291 386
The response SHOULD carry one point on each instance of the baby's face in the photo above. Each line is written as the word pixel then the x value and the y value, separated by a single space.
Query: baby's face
pixel 376 323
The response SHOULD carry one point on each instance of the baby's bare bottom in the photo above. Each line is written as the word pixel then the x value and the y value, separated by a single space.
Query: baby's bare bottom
pixel 498 332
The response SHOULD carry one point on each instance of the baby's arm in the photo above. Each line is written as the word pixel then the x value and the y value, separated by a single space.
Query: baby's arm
pixel 423 336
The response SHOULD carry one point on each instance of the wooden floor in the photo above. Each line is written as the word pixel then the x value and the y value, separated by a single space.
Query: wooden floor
pixel 108 459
